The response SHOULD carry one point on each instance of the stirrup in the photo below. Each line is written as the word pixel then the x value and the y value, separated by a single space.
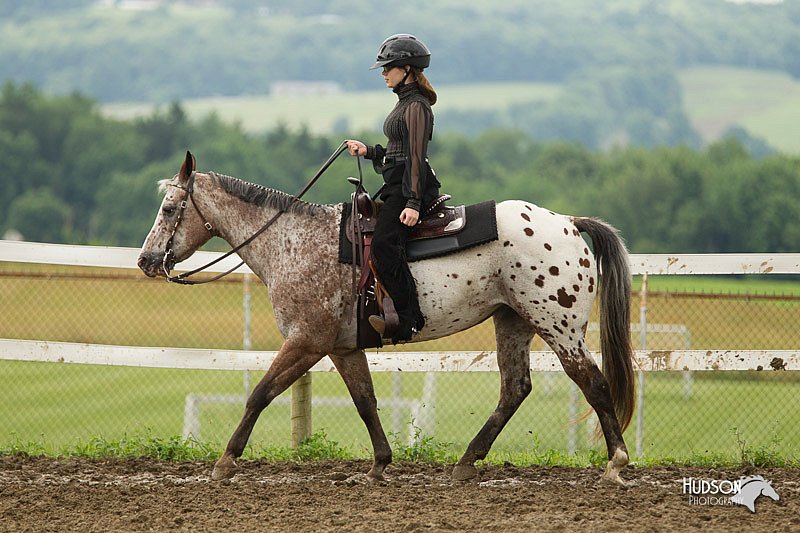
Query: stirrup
pixel 385 329
pixel 377 323
pixel 391 320
pixel 389 323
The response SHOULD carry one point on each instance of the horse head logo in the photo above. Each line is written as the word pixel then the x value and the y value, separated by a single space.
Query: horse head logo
pixel 751 488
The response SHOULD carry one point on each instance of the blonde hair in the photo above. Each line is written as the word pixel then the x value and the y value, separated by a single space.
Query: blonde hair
pixel 425 85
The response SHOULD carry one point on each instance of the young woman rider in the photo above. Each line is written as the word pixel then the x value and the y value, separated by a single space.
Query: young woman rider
pixel 410 184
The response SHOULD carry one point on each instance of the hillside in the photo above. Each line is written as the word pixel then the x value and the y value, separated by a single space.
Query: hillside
pixel 764 103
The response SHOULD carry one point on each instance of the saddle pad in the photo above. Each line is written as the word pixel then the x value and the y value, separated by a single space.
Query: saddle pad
pixel 481 227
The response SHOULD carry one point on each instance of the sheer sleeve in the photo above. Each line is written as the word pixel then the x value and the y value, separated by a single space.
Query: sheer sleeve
pixel 419 121
pixel 375 154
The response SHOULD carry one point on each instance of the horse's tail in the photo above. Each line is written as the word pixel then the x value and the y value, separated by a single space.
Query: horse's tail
pixel 614 288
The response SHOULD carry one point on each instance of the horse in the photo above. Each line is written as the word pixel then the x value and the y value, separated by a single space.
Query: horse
pixel 537 278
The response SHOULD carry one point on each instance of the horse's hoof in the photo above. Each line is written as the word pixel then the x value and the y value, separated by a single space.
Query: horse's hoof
pixel 464 472
pixel 375 475
pixel 612 482
pixel 224 469
pixel 614 467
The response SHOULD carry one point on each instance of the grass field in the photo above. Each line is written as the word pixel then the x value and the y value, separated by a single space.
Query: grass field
pixel 61 404
pixel 356 111
pixel 765 103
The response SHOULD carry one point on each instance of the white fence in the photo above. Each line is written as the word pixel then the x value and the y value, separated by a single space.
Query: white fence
pixel 429 362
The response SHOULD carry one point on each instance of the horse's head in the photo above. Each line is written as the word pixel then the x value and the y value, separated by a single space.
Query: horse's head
pixel 179 228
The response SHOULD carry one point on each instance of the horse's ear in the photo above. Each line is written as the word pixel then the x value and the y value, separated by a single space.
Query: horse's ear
pixel 189 165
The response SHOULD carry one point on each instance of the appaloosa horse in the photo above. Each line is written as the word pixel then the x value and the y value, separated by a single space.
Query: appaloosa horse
pixel 536 279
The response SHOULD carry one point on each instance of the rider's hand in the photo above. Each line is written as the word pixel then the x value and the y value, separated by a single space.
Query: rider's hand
pixel 409 216
pixel 356 147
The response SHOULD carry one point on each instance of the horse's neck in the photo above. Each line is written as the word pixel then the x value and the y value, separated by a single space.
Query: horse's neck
pixel 236 220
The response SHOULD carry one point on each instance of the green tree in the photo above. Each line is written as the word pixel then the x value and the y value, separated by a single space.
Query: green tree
pixel 40 216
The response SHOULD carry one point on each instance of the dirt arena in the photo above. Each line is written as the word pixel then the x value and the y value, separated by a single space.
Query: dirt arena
pixel 40 494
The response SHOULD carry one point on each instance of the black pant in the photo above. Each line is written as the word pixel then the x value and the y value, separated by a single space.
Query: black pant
pixel 389 256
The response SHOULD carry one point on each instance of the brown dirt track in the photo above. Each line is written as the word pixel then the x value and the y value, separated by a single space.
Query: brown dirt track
pixel 41 494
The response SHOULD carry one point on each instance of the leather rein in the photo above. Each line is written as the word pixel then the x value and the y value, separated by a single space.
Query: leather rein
pixel 189 188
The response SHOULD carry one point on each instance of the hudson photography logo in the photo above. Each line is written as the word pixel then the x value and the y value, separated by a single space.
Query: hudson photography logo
pixel 743 491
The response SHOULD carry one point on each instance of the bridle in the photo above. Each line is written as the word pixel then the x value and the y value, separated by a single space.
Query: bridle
pixel 189 188
pixel 169 252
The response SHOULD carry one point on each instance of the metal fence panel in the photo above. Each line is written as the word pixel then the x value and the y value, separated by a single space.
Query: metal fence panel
pixel 684 412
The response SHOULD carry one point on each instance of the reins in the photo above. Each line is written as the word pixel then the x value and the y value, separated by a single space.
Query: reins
pixel 181 278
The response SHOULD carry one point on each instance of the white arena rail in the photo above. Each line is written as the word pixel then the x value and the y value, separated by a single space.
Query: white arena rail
pixel 655 264
pixel 477 361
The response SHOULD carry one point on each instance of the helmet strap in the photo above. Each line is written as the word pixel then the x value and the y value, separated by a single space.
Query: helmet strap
pixel 402 82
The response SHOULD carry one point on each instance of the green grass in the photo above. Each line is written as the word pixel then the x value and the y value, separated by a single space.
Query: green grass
pixel 58 405
pixel 319 447
pixel 749 284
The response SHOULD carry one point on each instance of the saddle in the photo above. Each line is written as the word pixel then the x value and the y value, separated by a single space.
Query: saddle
pixel 438 220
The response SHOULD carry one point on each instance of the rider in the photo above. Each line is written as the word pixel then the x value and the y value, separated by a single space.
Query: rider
pixel 410 184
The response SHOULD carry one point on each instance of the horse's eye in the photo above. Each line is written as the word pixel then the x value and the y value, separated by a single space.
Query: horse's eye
pixel 168 210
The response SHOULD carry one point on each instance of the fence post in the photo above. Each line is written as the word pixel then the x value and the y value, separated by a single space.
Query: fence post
pixel 301 409
pixel 247 343
pixel 640 372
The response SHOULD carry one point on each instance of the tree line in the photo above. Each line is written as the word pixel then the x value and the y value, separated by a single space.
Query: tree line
pixel 72 175
pixel 230 47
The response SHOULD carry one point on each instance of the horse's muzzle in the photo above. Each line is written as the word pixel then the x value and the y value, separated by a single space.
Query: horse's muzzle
pixel 151 263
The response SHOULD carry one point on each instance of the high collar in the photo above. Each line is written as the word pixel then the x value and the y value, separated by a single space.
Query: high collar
pixel 406 90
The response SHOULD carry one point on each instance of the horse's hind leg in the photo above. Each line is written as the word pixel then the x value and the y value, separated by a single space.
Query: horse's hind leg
pixel 514 337
pixel 294 359
pixel 581 368
pixel 355 372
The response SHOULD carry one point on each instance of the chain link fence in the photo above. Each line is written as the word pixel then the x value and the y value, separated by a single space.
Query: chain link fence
pixel 715 413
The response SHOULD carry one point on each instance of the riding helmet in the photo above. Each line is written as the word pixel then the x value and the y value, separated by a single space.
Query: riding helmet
pixel 402 49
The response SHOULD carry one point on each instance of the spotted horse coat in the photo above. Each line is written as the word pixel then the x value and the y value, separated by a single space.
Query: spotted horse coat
pixel 539 278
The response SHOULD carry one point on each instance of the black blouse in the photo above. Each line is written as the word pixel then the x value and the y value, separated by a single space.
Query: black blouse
pixel 408 128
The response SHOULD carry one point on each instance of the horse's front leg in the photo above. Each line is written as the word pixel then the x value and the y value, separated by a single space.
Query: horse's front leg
pixel 354 370
pixel 294 359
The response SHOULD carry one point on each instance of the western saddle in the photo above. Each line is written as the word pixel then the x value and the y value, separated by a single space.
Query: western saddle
pixel 437 220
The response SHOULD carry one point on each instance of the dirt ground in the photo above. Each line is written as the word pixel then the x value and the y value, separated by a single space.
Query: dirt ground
pixel 41 494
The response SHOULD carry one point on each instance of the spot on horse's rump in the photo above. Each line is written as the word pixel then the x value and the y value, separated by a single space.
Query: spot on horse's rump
pixel 554 271
pixel 547 247
pixel 564 299
pixel 528 232
pixel 525 216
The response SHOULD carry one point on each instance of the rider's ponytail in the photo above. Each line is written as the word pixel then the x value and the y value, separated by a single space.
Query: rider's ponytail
pixel 425 85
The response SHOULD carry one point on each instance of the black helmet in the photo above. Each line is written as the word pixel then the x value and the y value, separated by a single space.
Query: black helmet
pixel 402 49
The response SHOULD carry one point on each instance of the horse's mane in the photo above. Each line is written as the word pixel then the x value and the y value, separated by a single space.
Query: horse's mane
pixel 264 196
